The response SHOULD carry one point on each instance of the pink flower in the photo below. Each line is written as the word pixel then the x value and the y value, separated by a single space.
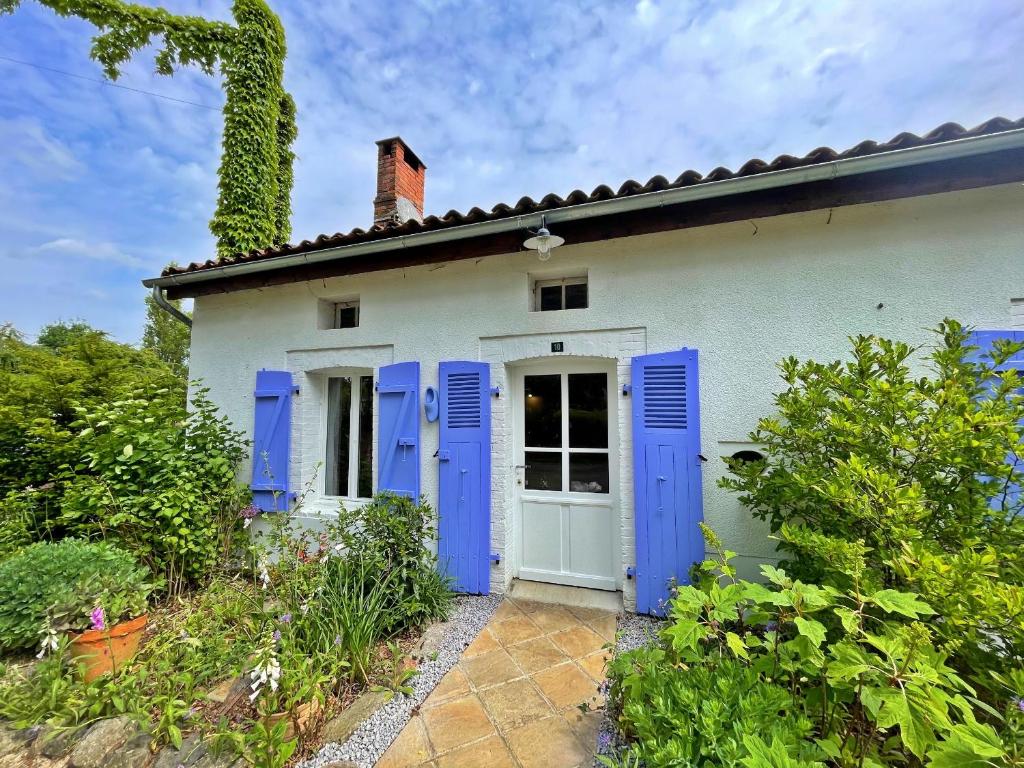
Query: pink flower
pixel 97 618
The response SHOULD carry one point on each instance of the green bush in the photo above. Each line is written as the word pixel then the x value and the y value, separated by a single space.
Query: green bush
pixel 159 479
pixel 793 674
pixel 41 384
pixel 69 578
pixel 394 530
pixel 916 468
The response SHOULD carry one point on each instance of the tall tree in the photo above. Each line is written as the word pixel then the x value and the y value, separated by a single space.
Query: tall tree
pixel 254 201
pixel 167 337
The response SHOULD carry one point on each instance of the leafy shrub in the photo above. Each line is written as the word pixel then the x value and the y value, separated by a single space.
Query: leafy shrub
pixel 393 530
pixel 70 577
pixel 159 479
pixel 914 467
pixel 853 674
pixel 41 384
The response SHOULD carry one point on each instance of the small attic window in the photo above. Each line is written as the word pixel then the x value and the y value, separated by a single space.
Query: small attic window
pixel 337 313
pixel 560 293
pixel 346 314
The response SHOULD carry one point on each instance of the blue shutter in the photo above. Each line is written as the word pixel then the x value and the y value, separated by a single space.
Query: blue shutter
pixel 464 456
pixel 984 341
pixel 398 429
pixel 666 469
pixel 272 433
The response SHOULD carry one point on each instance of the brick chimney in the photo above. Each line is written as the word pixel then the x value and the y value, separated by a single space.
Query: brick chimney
pixel 400 176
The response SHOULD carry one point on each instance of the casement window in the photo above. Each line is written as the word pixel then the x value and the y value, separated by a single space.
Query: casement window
pixel 560 293
pixel 346 314
pixel 336 313
pixel 566 432
pixel 349 450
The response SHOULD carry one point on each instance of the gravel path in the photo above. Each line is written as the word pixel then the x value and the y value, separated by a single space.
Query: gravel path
pixel 632 632
pixel 374 736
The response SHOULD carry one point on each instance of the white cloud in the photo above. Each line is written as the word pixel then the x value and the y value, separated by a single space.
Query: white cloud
pixel 102 251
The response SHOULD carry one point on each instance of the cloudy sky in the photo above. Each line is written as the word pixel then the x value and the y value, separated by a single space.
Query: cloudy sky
pixel 100 186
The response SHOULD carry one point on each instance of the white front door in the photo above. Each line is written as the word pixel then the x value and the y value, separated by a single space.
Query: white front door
pixel 566 445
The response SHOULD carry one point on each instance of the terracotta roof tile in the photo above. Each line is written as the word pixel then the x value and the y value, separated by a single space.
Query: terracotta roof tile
pixel 945 132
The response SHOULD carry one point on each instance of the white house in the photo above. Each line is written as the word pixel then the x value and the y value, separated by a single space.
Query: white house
pixel 585 394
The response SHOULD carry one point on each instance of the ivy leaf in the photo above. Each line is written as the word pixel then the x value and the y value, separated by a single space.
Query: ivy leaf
pixel 128 449
pixel 905 603
pixel 811 629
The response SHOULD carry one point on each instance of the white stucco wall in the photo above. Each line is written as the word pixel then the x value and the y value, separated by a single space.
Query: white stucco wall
pixel 744 294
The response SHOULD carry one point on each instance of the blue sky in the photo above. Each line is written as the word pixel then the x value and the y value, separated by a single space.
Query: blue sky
pixel 100 187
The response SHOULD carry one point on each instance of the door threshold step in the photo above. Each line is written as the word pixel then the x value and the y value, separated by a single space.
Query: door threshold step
pixel 558 594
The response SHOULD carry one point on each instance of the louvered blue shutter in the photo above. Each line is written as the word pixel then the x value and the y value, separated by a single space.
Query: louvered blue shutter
pixel 398 429
pixel 666 469
pixel 984 341
pixel 272 434
pixel 464 457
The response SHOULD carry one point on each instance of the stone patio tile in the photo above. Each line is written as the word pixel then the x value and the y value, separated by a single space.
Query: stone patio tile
pixel 605 626
pixel 584 725
pixel 411 748
pixel 594 664
pixel 482 643
pixel 487 753
pixel 455 723
pixel 554 618
pixel 492 668
pixel 454 683
pixel 578 641
pixel 515 630
pixel 547 743
pixel 566 685
pixel 529 606
pixel 514 704
pixel 506 610
pixel 589 614
pixel 537 654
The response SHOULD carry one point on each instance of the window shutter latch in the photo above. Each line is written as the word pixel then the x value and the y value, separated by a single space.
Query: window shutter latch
pixel 627 389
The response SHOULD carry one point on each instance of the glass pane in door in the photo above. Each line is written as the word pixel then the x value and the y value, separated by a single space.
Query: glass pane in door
pixel 543 471
pixel 588 472
pixel 588 410
pixel 543 410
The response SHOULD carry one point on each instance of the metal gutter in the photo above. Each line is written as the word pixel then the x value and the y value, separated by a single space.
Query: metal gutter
pixel 900 158
pixel 166 306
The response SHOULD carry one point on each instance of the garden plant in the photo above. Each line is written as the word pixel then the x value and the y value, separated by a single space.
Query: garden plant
pixel 292 637
pixel 891 632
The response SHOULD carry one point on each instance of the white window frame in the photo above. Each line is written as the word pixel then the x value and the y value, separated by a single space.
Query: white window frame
pixel 340 305
pixel 354 374
pixel 564 451
pixel 559 281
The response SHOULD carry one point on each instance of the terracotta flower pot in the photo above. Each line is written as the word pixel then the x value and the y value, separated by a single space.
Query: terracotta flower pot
pixel 304 716
pixel 101 651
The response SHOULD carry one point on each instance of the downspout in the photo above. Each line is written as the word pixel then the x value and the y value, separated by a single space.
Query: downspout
pixel 166 306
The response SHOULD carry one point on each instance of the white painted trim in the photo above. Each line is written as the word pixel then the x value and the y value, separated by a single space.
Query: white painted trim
pixel 618 346
pixel 561 366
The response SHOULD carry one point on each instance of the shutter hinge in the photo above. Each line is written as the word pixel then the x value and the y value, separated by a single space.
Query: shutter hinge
pixel 496 558
pixel 295 389
pixel 626 389
pixel 630 571
pixel 443 455
pixel 701 458
pixel 496 391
